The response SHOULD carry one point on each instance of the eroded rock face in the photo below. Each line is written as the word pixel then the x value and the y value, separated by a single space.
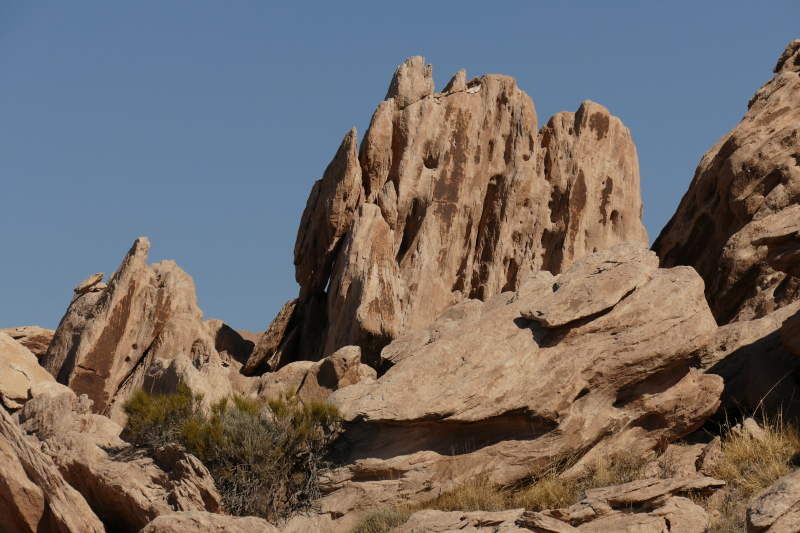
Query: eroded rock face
pixel 144 329
pixel 21 377
pixel 34 338
pixel 201 522
pixel 455 196
pixel 741 185
pixel 34 497
pixel 504 394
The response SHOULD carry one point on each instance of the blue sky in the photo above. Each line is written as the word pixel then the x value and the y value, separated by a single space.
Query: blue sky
pixel 203 125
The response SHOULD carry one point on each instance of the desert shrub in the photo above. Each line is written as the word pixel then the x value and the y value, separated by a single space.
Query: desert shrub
pixel 265 463
pixel 752 463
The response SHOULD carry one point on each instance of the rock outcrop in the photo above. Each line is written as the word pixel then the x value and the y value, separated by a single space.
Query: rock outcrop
pixel 123 487
pixel 140 331
pixel 453 196
pixel 34 338
pixel 21 377
pixel 737 196
pixel 34 497
pixel 506 394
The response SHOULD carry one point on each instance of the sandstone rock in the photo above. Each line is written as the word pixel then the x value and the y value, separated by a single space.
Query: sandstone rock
pixel 289 378
pixel 34 497
pixel 747 179
pixel 87 284
pixel 200 522
pixel 164 375
pixel 503 395
pixel 776 509
pixel 231 346
pixel 541 523
pixel 340 370
pixel 462 199
pixel 645 505
pixel 757 369
pixel 107 341
pixel 123 486
pixel 21 377
pixel 268 344
pixel 34 338
pixel 790 334
pixel 318 523
pixel 475 522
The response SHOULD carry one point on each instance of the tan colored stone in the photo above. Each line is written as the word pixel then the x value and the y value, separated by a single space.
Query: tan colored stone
pixel 269 342
pixel 754 364
pixel 327 217
pixel 467 403
pixel 541 523
pixel 232 347
pixel 431 521
pixel 21 377
pixel 87 284
pixel 201 522
pixel 340 370
pixel 34 497
pixel 463 199
pixel 289 378
pixel 34 338
pixel 750 176
pixel 776 509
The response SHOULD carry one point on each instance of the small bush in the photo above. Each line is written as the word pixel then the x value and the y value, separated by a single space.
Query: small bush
pixel 381 522
pixel 264 463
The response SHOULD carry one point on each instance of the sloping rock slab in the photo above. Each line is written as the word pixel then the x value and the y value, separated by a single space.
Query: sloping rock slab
pixel 34 338
pixel 200 522
pixel 776 509
pixel 504 396
pixel 456 521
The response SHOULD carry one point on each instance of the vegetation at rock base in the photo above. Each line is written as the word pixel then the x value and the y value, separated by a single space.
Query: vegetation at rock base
pixel 749 464
pixel 265 462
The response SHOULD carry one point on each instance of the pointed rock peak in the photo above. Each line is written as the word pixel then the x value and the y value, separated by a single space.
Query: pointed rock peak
pixel 458 83
pixel 790 58
pixel 412 81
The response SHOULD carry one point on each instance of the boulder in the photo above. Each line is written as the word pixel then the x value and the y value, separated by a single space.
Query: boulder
pixel 269 342
pixel 231 346
pixel 504 395
pixel 738 194
pixel 431 521
pixel 776 509
pixel 455 196
pixel 21 377
pixel 34 497
pixel 109 341
pixel 201 522
pixel 34 338
pixel 340 370
pixel 89 283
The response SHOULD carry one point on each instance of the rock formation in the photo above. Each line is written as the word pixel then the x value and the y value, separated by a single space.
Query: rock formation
pixel 34 338
pixel 143 330
pixel 507 394
pixel 776 509
pixel 452 196
pixel 21 377
pixel 738 193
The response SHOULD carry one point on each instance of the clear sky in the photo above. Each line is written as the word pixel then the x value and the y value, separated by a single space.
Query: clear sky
pixel 203 125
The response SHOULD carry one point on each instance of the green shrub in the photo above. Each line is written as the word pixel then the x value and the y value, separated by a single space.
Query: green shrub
pixel 380 522
pixel 265 463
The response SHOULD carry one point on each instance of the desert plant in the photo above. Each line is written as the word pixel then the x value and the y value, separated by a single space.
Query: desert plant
pixel 381 521
pixel 750 463
pixel 264 462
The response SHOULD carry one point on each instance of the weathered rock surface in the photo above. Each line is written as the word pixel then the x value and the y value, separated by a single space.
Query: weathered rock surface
pixel 754 362
pixel 647 505
pixel 34 497
pixel 89 283
pixel 200 522
pixel 21 377
pixel 504 395
pixel 776 509
pixel 456 521
pixel 141 331
pixel 268 344
pixel 34 338
pixel 125 488
pixel 455 196
pixel 738 193
pixel 340 370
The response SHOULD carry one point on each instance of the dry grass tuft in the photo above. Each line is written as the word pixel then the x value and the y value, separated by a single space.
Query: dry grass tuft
pixel 752 463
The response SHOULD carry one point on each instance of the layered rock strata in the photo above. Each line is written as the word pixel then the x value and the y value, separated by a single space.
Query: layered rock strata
pixel 738 194
pixel 588 362
pixel 452 196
